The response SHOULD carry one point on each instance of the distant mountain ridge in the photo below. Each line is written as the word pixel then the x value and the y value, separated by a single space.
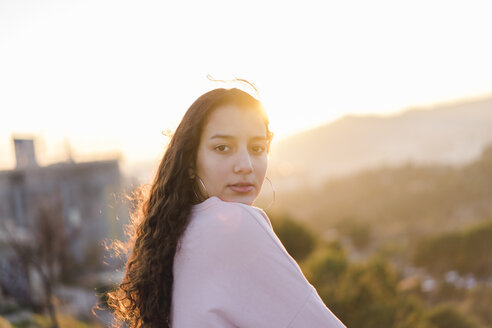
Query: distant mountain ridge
pixel 449 134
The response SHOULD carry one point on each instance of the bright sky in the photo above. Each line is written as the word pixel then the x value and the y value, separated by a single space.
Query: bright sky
pixel 110 75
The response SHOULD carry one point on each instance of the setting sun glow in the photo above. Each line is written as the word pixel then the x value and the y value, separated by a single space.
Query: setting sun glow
pixel 106 77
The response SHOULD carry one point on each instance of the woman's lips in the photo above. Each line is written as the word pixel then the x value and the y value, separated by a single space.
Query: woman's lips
pixel 241 188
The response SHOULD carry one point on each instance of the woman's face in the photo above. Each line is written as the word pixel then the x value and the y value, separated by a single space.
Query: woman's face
pixel 232 155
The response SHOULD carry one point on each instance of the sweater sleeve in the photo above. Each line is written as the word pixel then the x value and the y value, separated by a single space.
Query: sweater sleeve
pixel 234 272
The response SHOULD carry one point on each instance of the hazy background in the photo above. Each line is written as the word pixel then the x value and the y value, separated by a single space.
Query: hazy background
pixel 109 76
pixel 381 161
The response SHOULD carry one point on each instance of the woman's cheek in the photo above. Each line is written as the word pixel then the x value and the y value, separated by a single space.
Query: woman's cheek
pixel 262 163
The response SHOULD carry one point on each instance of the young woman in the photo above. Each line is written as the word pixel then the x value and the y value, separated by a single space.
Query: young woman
pixel 202 256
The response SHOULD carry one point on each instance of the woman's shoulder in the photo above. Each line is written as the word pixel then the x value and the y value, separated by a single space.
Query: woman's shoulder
pixel 225 229
pixel 216 222
pixel 218 212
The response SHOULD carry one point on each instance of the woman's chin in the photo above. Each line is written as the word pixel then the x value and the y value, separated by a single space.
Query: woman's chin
pixel 246 199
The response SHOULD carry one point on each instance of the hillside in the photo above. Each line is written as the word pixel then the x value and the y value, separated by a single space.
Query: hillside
pixel 398 203
pixel 447 134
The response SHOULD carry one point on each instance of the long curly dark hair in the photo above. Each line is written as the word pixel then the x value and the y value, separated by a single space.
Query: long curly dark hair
pixel 143 298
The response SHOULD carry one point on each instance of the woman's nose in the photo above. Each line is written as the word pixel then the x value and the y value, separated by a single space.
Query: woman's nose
pixel 243 162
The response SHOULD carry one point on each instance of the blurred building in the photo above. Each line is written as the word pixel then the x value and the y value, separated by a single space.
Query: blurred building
pixel 84 195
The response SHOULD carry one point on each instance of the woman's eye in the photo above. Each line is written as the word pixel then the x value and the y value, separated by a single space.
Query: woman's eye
pixel 222 148
pixel 258 149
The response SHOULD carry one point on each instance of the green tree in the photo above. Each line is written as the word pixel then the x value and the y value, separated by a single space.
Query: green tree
pixel 298 240
pixel 477 242
pixel 479 303
pixel 409 313
pixel 434 253
pixel 366 296
pixel 358 232
pixel 325 266
pixel 445 316
pixel 466 251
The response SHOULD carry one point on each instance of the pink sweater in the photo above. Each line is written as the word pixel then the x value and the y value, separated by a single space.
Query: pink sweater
pixel 231 270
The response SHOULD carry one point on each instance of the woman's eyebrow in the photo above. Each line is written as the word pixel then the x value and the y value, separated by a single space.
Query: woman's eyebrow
pixel 226 136
pixel 222 136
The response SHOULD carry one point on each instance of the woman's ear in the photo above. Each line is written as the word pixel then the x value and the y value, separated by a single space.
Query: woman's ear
pixel 191 172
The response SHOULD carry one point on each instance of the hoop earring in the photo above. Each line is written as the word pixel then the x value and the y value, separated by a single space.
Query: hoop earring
pixel 194 192
pixel 203 185
pixel 273 190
